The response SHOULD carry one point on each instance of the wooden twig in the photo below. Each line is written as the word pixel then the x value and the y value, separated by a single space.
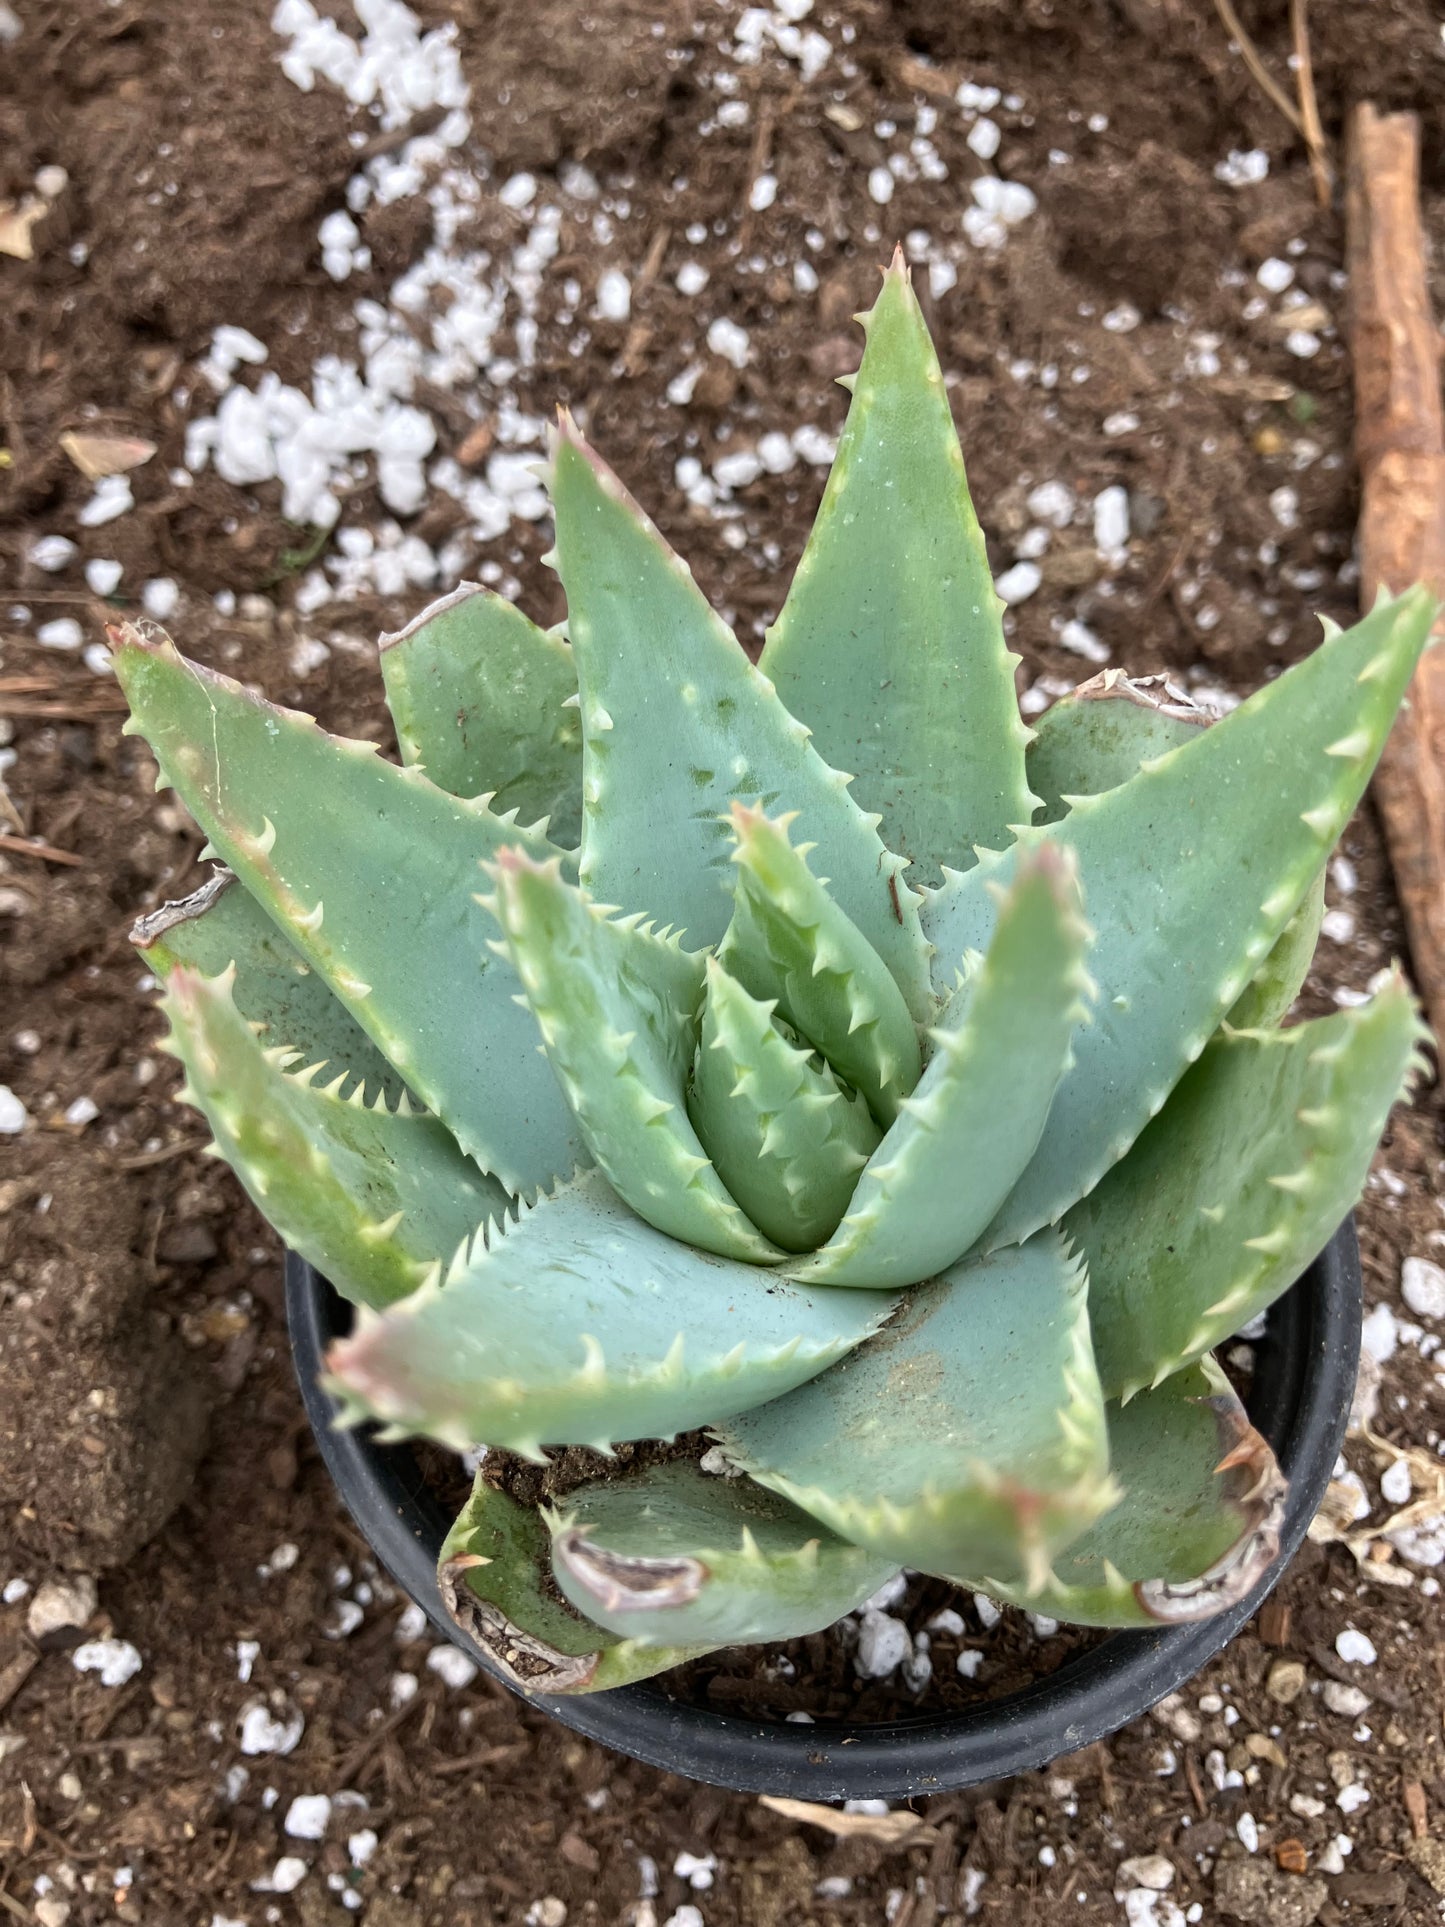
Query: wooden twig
pixel 1252 59
pixel 1309 106
pixel 47 853
pixel 1400 446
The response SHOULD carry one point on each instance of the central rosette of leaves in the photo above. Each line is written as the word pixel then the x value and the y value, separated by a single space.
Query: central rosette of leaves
pixel 733 1097
pixel 793 1045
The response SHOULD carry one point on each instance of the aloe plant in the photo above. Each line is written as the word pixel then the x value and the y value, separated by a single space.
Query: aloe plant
pixel 807 1052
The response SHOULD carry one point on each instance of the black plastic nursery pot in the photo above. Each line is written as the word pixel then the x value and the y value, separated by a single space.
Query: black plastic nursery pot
pixel 1304 1378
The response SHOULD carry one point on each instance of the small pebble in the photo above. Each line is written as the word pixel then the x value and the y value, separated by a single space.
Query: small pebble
pixel 692 278
pixel 308 1816
pixel 985 138
pixel 883 1644
pixel 285 1877
pixel 1395 1483
pixel 263 1732
pixel 1350 1799
pixel 361 1846
pixel 1247 1828
pixel 1422 1286
pixel 452 1666
pixel 160 598
pixel 1380 1334
pixel 112 497
pixel 1150 1870
pixel 1111 521
pixel 1274 275
pixel 727 339
pixel 614 295
pixel 51 553
pixel 1079 637
pixel 1348 1701
pixel 1020 582
pixel 889 1593
pixel 696 1869
pixel 63 633
pixel 1054 503
pixel 411 1624
pixel 1355 1647
pixel 114 1661
pixel 1243 167
pixel 61 1603
pixel 550 1912
pixel 13 1591
pixel 13 1115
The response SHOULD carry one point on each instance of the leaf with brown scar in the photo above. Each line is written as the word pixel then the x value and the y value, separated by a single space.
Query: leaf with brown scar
pixel 676 1553
pixel 1198 1525
pixel 494 1575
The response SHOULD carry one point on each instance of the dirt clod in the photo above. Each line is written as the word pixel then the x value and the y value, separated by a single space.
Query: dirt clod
pixel 1256 1890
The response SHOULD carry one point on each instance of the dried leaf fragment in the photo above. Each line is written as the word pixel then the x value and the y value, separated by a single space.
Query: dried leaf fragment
pixel 16 221
pixel 99 455
pixel 888 1829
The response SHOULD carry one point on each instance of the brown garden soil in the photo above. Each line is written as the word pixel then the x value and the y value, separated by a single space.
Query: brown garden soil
pixel 150 1431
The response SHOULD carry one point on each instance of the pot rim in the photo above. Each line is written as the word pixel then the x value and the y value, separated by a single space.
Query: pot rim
pixel 1304 1377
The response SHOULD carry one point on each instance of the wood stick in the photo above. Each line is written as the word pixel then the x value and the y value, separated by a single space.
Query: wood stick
pixel 1400 446
pixel 1252 59
pixel 46 852
pixel 1309 107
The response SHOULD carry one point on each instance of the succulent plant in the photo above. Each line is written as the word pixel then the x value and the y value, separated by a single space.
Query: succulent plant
pixel 810 1053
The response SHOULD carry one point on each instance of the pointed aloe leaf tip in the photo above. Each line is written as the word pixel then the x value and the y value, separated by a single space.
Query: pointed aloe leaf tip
pixel 677 722
pixel 894 593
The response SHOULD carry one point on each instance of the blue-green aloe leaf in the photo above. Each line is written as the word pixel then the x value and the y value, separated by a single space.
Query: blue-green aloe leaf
pixel 1098 737
pixel 972 1125
pixel 890 645
pixel 495 1578
pixel 674 1555
pixel 968 1436
pixel 677 722
pixel 371 872
pixel 786 1138
pixel 222 924
pixel 789 940
pixel 1198 1525
pixel 486 703
pixel 581 1325
pixel 1270 995
pixel 617 1008
pixel 1238 1183
pixel 1193 868
pixel 374 1198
